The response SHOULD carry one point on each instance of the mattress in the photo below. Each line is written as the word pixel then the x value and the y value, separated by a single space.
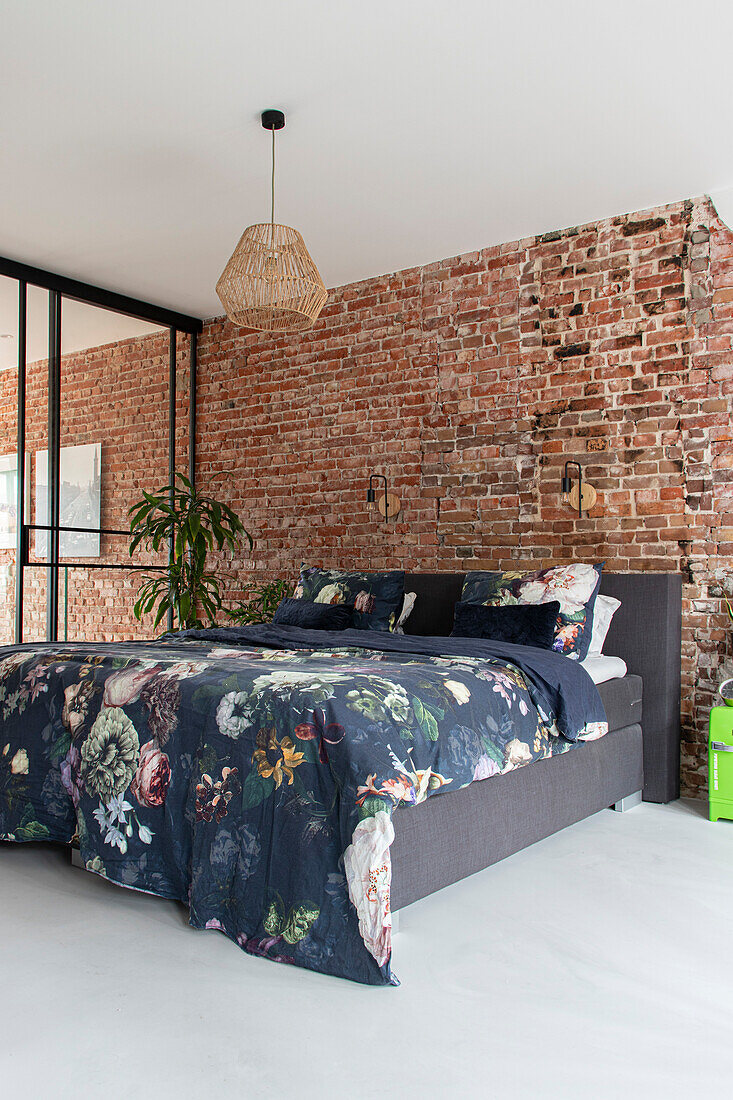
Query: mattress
pixel 621 698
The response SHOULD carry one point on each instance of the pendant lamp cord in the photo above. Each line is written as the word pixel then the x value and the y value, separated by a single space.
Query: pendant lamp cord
pixel 272 191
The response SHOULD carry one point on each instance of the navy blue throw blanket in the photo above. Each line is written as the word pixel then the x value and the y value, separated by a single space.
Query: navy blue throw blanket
pixel 566 688
pixel 253 772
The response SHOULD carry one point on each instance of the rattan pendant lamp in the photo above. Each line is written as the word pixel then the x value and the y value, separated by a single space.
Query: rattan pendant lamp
pixel 271 283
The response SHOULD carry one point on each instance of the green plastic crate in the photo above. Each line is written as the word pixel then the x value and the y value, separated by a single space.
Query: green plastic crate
pixel 720 763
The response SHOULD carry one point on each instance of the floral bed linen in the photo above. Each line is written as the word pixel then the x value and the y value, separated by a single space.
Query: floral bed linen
pixel 575 587
pixel 253 773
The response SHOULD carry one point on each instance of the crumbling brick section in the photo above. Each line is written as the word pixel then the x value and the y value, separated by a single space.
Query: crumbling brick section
pixel 469 382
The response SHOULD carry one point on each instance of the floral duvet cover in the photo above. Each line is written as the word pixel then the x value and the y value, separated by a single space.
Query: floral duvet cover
pixel 253 773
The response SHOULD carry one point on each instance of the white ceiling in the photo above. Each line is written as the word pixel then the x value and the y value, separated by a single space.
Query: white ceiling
pixel 131 153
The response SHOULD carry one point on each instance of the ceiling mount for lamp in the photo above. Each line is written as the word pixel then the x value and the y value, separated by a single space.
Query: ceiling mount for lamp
pixel 273 119
pixel 271 283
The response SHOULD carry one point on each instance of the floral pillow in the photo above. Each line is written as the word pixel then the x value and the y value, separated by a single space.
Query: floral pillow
pixel 575 587
pixel 376 597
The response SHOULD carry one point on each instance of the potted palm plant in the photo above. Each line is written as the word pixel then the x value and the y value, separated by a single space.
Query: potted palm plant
pixel 191 524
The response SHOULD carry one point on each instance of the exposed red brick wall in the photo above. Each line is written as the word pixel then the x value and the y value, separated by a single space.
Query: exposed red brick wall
pixel 469 382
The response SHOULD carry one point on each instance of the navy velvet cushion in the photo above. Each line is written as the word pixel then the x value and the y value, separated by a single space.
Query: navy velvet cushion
pixel 519 624
pixel 314 616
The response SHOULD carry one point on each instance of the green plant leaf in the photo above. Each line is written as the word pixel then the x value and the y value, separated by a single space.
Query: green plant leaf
pixel 256 789
pixel 425 719
pixel 29 828
pixel 262 602
pixel 60 747
pixel 491 750
pixel 371 806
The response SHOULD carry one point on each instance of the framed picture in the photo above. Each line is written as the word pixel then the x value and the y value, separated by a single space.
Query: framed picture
pixel 9 499
pixel 80 503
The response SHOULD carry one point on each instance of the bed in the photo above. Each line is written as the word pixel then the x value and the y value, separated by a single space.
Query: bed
pixel 252 773
pixel 443 840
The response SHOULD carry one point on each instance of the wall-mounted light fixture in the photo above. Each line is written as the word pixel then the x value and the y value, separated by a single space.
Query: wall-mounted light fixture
pixel 387 503
pixel 582 495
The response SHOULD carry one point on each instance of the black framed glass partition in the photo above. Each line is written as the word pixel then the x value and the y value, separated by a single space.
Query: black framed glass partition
pixel 9 421
pixel 96 398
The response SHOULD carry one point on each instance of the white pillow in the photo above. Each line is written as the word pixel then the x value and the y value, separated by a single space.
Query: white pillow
pixel 604 610
pixel 601 667
pixel 407 605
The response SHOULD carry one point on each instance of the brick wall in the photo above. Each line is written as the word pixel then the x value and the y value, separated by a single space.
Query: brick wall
pixel 468 383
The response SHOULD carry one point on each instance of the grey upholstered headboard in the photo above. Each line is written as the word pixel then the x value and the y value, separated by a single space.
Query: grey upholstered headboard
pixel 646 632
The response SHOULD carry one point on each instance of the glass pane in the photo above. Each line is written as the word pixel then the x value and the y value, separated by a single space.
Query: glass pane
pixel 8 453
pixel 114 443
pixel 36 429
pixel 34 618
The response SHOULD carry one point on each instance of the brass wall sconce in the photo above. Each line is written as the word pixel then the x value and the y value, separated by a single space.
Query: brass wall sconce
pixel 386 503
pixel 580 495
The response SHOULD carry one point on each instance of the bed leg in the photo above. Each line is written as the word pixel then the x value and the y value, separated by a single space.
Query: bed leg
pixel 76 860
pixel 395 922
pixel 627 803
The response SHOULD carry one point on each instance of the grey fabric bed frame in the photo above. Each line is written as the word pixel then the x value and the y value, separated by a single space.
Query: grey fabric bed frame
pixel 453 835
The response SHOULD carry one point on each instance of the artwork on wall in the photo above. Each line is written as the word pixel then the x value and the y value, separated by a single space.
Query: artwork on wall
pixel 80 503
pixel 9 499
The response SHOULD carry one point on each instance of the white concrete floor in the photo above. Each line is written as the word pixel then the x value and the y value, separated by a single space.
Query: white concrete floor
pixel 596 964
